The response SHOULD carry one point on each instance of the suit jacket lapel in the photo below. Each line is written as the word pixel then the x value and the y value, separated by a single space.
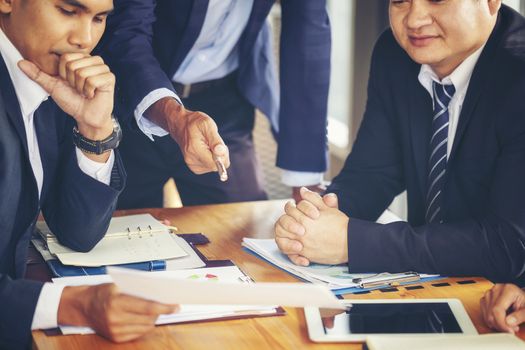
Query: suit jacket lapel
pixel 260 11
pixel 191 33
pixel 11 104
pixel 476 85
pixel 420 114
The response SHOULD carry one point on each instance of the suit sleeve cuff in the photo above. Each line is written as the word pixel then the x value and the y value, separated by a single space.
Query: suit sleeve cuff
pixel 300 178
pixel 364 246
pixel 145 125
pixel 46 312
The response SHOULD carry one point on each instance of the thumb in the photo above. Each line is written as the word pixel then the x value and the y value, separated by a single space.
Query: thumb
pixel 516 318
pixel 331 200
pixel 219 149
pixel 34 73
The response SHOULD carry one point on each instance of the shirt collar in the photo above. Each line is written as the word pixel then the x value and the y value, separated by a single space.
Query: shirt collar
pixel 30 94
pixel 460 77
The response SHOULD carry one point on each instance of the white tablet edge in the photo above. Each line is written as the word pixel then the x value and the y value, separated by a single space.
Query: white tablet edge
pixel 317 334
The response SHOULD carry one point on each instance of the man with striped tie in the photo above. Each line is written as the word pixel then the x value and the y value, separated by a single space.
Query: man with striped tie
pixel 445 121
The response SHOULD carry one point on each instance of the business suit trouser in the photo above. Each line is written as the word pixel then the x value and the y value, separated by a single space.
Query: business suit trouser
pixel 150 164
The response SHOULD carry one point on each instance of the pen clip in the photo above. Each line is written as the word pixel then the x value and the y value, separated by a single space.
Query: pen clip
pixel 387 279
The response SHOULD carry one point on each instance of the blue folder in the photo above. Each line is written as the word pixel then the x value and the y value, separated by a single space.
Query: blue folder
pixel 60 270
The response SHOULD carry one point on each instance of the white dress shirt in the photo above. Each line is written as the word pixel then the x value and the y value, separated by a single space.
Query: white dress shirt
pixel 30 95
pixel 460 77
pixel 214 55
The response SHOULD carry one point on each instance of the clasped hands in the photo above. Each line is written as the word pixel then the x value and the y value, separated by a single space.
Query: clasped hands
pixel 314 230
pixel 503 307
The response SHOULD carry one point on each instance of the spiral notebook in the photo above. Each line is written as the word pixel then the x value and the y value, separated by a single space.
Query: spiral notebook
pixel 129 239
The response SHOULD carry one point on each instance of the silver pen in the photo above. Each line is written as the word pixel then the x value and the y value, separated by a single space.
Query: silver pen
pixel 387 279
pixel 221 169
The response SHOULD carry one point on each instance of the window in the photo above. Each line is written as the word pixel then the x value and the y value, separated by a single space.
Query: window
pixel 340 98
pixel 518 5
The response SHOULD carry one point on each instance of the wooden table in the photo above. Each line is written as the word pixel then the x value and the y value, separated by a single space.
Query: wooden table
pixel 225 225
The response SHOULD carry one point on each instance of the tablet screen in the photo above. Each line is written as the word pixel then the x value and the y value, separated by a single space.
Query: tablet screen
pixel 388 318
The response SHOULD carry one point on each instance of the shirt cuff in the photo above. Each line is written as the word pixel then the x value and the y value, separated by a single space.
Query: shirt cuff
pixel 388 217
pixel 145 125
pixel 300 178
pixel 46 311
pixel 98 171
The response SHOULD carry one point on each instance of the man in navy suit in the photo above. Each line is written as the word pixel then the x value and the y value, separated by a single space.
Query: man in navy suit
pixel 445 122
pixel 216 57
pixel 45 52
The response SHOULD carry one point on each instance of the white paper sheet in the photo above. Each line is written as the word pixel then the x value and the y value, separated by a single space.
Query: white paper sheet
pixel 162 287
pixel 229 274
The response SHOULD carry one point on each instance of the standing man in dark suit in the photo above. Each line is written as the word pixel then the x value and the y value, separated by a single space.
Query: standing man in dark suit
pixel 45 52
pixel 215 56
pixel 444 121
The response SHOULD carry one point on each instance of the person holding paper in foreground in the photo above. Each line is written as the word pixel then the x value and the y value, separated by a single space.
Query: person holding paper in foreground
pixel 503 307
pixel 45 50
pixel 444 121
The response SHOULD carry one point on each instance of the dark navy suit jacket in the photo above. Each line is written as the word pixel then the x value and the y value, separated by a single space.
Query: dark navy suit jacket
pixel 76 207
pixel 147 40
pixel 484 193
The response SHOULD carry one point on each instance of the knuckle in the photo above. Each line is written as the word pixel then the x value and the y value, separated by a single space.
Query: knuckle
pixel 70 65
pixel 117 337
pixel 80 74
pixel 109 320
pixel 279 242
pixel 98 59
pixel 498 308
pixel 276 227
pixel 288 223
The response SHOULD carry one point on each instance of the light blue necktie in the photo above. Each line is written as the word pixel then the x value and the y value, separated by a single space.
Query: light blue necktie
pixel 437 163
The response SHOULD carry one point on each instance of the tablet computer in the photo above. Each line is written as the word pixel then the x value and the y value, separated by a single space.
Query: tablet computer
pixel 365 317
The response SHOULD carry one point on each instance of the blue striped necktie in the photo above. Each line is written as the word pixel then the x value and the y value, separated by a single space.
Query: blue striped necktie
pixel 437 163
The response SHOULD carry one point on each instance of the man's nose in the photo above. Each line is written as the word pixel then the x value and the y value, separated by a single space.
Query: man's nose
pixel 418 15
pixel 81 36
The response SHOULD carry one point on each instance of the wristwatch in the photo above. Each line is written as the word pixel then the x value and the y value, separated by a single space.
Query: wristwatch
pixel 99 146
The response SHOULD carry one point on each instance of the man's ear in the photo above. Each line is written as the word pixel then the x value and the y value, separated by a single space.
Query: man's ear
pixel 494 6
pixel 6 6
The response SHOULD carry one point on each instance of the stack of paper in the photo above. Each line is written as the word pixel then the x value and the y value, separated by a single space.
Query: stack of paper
pixel 336 277
pixel 208 293
pixel 190 261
